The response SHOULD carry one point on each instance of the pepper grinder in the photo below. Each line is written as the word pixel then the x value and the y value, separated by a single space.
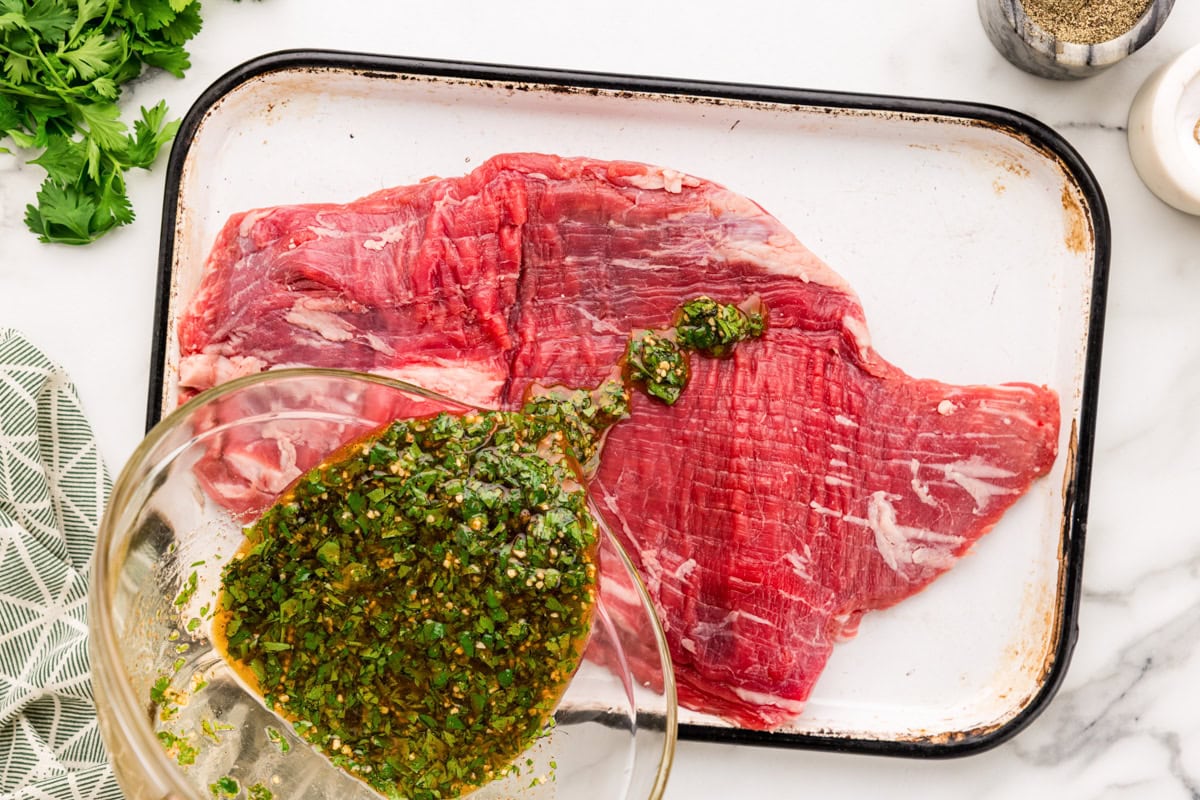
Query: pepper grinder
pixel 1033 48
pixel 1164 132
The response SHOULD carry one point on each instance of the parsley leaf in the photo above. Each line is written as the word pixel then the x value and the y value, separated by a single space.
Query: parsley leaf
pixel 64 63
pixel 184 26
pixel 107 88
pixel 50 18
pixel 113 208
pixel 10 18
pixel 18 68
pixel 103 126
pixel 171 58
pixel 63 160
pixel 148 15
pixel 88 11
pixel 150 133
pixel 93 55
pixel 9 116
pixel 63 213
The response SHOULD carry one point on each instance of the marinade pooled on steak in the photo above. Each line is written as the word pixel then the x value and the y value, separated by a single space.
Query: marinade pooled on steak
pixel 797 483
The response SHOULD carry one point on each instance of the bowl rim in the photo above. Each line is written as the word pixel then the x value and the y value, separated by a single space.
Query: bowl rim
pixel 104 647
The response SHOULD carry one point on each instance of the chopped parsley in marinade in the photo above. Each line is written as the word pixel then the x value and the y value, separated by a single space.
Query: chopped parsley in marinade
pixel 713 328
pixel 657 361
pixel 417 603
pixel 658 364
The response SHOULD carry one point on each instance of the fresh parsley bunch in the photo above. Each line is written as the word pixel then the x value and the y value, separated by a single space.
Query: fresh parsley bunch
pixel 65 62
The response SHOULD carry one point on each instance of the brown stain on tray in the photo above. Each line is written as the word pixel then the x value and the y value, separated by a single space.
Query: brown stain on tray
pixel 1041 638
pixel 1011 165
pixel 1075 219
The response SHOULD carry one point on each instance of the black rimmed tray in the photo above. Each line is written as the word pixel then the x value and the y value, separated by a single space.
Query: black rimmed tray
pixel 976 237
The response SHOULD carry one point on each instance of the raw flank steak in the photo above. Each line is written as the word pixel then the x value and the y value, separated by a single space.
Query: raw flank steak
pixel 796 485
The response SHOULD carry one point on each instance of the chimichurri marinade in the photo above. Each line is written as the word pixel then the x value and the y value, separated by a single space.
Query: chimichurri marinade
pixel 417 603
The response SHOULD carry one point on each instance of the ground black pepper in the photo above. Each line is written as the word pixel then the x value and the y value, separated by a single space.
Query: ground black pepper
pixel 1085 21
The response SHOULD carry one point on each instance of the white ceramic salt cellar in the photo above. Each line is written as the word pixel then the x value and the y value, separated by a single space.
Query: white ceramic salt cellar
pixel 1164 132
pixel 1027 45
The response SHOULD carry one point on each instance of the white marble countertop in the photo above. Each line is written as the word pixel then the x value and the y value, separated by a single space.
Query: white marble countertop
pixel 1126 722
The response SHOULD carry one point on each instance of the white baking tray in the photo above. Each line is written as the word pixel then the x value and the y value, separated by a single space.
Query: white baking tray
pixel 975 237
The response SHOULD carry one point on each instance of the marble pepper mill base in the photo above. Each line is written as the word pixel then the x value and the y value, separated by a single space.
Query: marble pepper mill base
pixel 1164 132
pixel 1028 46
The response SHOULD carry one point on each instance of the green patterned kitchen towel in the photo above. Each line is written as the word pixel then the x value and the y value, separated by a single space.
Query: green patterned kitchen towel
pixel 53 485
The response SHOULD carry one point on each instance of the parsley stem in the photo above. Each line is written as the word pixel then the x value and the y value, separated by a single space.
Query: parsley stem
pixel 13 89
pixel 56 96
pixel 81 21
pixel 50 70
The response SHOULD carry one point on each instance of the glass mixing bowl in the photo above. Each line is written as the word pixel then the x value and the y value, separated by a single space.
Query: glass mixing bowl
pixel 162 543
